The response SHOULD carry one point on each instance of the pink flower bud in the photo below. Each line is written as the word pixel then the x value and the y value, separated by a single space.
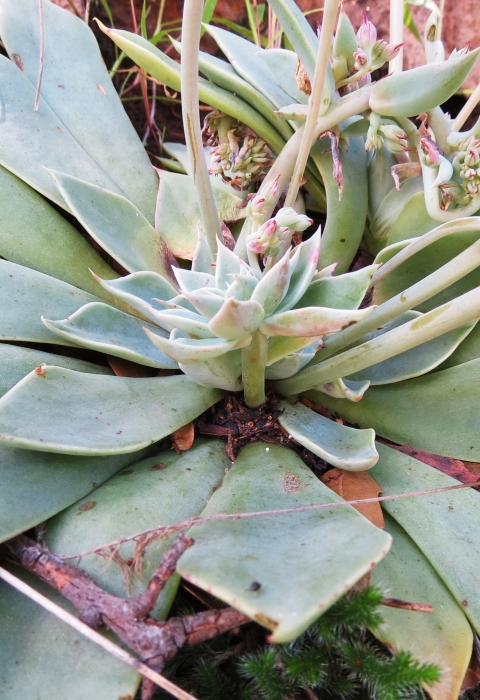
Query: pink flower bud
pixel 287 217
pixel 367 34
pixel 432 154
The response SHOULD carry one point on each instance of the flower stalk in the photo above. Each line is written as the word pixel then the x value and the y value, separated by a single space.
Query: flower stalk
pixel 192 24
pixel 254 361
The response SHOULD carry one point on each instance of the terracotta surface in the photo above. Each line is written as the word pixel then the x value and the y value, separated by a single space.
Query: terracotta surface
pixel 461 22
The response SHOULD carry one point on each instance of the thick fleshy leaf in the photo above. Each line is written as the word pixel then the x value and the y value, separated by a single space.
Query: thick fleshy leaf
pixel 414 362
pixel 236 318
pixel 41 654
pixel 206 302
pixel 311 321
pixel 468 350
pixel 242 287
pixel 165 488
pixel 222 74
pixel 303 263
pixel 282 64
pixel 346 448
pixel 35 486
pixel 43 136
pixel 94 415
pixel 184 350
pixel 179 151
pixel 380 180
pixel 343 389
pixel 319 553
pixel 17 362
pixel 444 525
pixel 139 290
pixel 413 220
pixel 34 234
pixel 290 365
pixel 420 89
pixel 166 70
pixel 346 210
pixel 444 637
pixel 103 328
pixel 389 211
pixel 437 412
pixel 223 372
pixel 423 263
pixel 245 59
pixel 343 292
pixel 177 214
pixel 227 264
pixel 279 347
pixel 271 289
pixel 26 294
pixel 190 280
pixel 117 224
pixel 77 88
pixel 184 320
pixel 299 32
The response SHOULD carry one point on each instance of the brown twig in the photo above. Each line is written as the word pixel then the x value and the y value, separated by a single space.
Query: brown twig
pixel 155 642
pixel 405 605
pixel 165 531
pixel 94 637
pixel 42 56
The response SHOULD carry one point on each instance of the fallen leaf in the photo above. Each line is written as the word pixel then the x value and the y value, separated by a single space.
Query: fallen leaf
pixel 127 368
pixel 356 485
pixel 447 465
pixel 183 438
pixel 322 410
pixel 472 676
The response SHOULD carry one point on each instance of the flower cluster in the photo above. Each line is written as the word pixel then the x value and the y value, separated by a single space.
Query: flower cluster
pixel 238 155
pixel 268 238
pixel 372 53
pixel 384 132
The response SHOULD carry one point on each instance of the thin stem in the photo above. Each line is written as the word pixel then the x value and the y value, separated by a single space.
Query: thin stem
pixel 254 361
pixel 94 636
pixel 160 17
pixel 315 103
pixel 165 531
pixel 42 56
pixel 192 24
pixel 443 319
pixel 87 11
pixel 425 289
pixel 467 109
pixel 396 34
pixel 441 13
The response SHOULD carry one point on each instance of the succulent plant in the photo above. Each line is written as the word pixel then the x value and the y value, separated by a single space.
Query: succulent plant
pixel 216 313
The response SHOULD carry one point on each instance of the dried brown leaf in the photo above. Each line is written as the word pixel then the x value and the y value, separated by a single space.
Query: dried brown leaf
pixel 183 438
pixel 355 485
pixel 126 368
pixel 447 465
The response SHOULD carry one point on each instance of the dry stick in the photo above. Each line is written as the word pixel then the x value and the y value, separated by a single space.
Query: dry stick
pixel 396 34
pixel 467 109
pixel 165 531
pixel 87 11
pixel 315 103
pixel 42 56
pixel 95 637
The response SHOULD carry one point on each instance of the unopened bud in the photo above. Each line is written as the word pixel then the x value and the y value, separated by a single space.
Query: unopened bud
pixel 395 138
pixel 432 154
pixel 289 218
pixel 383 53
pixel 367 34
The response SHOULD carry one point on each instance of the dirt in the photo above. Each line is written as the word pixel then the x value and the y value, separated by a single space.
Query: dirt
pixel 239 425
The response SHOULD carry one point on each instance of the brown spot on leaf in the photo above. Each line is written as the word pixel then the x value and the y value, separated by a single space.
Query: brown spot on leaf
pixel 17 59
pixel 87 506
pixel 292 483
pixel 158 467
